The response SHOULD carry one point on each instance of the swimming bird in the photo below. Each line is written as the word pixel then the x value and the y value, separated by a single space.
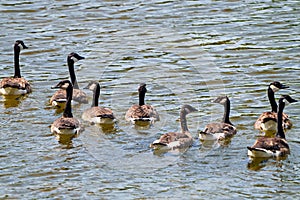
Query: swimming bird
pixel 142 112
pixel 59 98
pixel 176 140
pixel 273 146
pixel 16 85
pixel 66 125
pixel 96 114
pixel 267 121
pixel 219 130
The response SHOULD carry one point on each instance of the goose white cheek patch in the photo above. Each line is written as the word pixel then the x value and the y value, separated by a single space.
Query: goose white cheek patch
pixel 274 88
pixel 74 59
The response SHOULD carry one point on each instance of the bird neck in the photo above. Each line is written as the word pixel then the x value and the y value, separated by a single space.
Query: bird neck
pixel 68 108
pixel 16 61
pixel 72 73
pixel 271 96
pixel 96 95
pixel 183 123
pixel 280 132
pixel 226 113
pixel 142 98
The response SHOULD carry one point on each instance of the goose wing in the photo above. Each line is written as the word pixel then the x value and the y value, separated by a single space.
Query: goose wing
pixel 138 112
pixel 100 112
pixel 268 116
pixel 270 146
pixel 225 128
pixel 172 140
pixel 66 123
pixel 60 96
pixel 19 83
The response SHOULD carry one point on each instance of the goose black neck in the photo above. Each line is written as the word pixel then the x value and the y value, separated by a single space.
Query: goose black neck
pixel 68 108
pixel 96 95
pixel 183 121
pixel 226 112
pixel 142 98
pixel 272 101
pixel 16 61
pixel 280 132
pixel 72 73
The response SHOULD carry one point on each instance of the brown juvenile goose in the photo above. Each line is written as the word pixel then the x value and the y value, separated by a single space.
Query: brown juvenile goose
pixel 142 111
pixel 59 97
pixel 176 140
pixel 219 130
pixel 267 121
pixel 273 146
pixel 16 85
pixel 66 125
pixel 97 114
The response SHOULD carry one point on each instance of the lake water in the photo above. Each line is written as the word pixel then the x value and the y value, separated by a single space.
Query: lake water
pixel 187 52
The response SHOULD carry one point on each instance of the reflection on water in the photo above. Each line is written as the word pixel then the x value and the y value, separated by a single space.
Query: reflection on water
pixel 107 128
pixel 257 164
pixel 215 143
pixel 12 101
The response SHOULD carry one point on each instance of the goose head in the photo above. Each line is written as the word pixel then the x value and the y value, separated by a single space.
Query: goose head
pixel 188 109
pixel 19 44
pixel 287 99
pixel 221 100
pixel 92 85
pixel 142 88
pixel 63 84
pixel 74 57
pixel 275 86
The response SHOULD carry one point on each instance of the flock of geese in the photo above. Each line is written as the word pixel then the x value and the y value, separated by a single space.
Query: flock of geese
pixel 68 91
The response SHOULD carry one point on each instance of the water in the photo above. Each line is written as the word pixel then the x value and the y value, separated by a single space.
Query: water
pixel 188 53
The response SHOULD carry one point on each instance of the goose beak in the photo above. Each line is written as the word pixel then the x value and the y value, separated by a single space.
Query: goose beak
pixel 81 58
pixel 284 86
pixel 55 86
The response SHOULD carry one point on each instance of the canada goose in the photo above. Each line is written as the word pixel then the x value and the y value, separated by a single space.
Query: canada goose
pixel 221 130
pixel 142 111
pixel 66 125
pixel 273 146
pixel 267 121
pixel 96 114
pixel 176 140
pixel 59 97
pixel 16 85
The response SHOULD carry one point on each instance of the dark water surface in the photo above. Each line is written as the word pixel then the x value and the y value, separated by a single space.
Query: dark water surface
pixel 188 52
